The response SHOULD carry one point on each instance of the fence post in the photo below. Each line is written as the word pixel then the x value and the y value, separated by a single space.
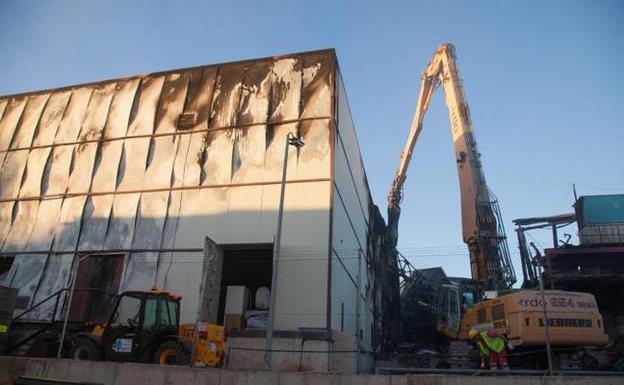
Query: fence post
pixel 546 331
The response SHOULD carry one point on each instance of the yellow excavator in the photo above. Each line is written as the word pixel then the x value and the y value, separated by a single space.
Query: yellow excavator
pixel 462 304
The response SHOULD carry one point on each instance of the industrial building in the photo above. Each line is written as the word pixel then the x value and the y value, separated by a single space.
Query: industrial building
pixel 595 265
pixel 172 180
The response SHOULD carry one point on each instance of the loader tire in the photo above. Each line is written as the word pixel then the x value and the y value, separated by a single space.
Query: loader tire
pixel 172 353
pixel 85 349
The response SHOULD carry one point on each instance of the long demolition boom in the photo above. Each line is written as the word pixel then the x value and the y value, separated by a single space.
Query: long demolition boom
pixel 482 226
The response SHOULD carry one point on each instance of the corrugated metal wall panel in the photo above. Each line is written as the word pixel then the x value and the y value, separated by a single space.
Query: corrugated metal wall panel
pixel 98 207
pixel 11 175
pixel 27 271
pixel 132 166
pixel 3 104
pixel 14 164
pixel 37 158
pixel 82 163
pixel 10 118
pixel 152 209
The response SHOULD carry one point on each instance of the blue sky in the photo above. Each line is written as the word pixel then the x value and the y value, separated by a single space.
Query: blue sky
pixel 543 79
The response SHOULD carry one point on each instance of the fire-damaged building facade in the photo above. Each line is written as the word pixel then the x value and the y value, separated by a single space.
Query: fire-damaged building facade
pixel 172 180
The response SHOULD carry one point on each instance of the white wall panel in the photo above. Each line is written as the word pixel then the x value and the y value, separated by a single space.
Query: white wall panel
pixel 35 165
pixel 83 161
pixel 28 275
pixel 14 164
pixel 3 104
pixel 181 272
pixel 8 124
pixel 349 141
pixel 132 166
pixel 187 165
pixel 350 227
pixel 302 301
pixel 152 210
pixel 56 175
pixel 98 207
pixel 26 269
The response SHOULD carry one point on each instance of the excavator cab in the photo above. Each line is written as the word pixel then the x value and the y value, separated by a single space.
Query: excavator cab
pixel 453 300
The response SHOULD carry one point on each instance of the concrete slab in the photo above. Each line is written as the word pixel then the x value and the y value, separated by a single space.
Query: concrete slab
pixel 56 369
pixel 207 376
pixel 91 371
pixel 139 374
pixel 398 380
pixel 183 375
pixel 28 367
pixel 110 373
pixel 365 379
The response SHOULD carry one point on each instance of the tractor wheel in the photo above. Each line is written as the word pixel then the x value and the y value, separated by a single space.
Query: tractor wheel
pixel 85 349
pixel 171 353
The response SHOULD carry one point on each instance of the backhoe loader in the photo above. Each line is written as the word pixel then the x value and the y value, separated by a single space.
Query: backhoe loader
pixel 144 327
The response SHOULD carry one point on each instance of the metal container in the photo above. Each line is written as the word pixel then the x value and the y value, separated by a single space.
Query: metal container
pixel 600 209
pixel 600 219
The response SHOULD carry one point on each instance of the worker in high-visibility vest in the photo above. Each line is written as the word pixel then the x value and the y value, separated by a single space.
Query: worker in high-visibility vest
pixel 491 346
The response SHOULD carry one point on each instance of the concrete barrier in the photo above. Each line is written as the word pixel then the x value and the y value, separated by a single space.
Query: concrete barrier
pixel 109 373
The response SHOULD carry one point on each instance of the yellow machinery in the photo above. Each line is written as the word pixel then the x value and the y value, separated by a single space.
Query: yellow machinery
pixel 574 319
pixel 144 327
pixel 208 343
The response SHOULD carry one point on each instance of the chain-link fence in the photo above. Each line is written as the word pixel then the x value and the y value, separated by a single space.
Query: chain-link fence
pixel 316 294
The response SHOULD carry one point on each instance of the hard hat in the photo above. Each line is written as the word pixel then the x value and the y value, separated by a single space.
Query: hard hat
pixel 473 333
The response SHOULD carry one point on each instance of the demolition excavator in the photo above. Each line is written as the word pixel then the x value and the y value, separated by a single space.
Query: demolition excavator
pixel 462 304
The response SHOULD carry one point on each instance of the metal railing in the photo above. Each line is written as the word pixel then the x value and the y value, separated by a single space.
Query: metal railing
pixel 50 319
pixel 57 301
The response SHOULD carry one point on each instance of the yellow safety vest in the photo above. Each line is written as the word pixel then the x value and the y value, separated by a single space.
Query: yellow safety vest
pixel 496 344
pixel 485 352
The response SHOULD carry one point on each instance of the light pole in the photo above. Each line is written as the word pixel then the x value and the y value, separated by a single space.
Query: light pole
pixel 291 140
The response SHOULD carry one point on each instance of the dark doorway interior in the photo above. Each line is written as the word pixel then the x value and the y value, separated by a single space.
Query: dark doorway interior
pixel 249 266
pixel 96 283
pixel 5 266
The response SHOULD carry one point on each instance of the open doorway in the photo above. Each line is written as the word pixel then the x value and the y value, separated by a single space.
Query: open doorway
pixel 250 266
pixel 97 282
pixel 6 261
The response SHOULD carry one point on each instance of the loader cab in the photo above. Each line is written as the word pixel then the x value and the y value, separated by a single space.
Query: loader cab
pixel 138 324
pixel 453 300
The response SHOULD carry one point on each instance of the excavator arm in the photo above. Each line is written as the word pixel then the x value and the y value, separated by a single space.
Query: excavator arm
pixel 482 228
pixel 395 196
